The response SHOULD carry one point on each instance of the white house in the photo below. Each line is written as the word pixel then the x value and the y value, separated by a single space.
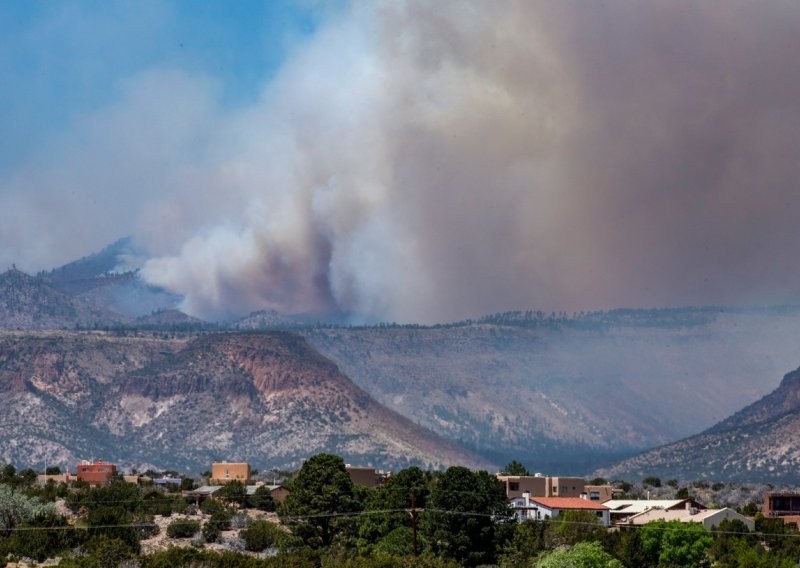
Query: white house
pixel 541 508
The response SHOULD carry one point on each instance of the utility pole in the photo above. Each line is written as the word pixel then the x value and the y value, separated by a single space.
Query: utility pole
pixel 414 520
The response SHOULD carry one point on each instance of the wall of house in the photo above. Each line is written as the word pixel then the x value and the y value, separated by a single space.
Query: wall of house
pixel 364 476
pixel 225 472
pixel 565 486
pixel 98 473
pixel 598 493
pixel 781 504
pixel 727 514
pixel 279 494
pixel 545 512
pixel 516 485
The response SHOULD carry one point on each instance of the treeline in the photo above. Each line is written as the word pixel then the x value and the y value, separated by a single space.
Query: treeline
pixel 457 517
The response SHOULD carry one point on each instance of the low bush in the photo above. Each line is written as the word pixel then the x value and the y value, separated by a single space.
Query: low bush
pixel 260 535
pixel 183 528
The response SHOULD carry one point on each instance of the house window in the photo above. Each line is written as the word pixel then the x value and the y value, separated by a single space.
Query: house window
pixel 594 496
pixel 513 486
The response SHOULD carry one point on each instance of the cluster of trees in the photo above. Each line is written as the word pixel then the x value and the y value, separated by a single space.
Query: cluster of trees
pixel 444 519
pixel 462 516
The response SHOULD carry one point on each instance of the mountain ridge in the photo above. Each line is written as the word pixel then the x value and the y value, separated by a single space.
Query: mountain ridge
pixel 760 441
pixel 185 401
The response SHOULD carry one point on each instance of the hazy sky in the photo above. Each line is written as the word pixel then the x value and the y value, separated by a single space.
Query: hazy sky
pixel 410 160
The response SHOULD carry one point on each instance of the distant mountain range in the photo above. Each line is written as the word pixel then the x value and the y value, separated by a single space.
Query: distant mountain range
pixel 266 398
pixel 568 394
pixel 760 442
pixel 564 394
pixel 110 280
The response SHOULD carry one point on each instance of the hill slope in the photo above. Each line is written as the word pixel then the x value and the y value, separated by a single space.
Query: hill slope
pixel 110 279
pixel 567 394
pixel 269 399
pixel 29 303
pixel 760 442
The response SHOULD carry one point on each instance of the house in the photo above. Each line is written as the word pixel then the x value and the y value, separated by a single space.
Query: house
pixel 164 481
pixel 601 493
pixel 623 509
pixel 541 508
pixel 203 493
pixel 709 518
pixel 542 486
pixel 278 492
pixel 365 476
pixel 44 479
pixel 96 473
pixel 545 486
pixel 225 472
pixel 785 506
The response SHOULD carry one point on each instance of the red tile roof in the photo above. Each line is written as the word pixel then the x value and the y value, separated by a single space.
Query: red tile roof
pixel 568 503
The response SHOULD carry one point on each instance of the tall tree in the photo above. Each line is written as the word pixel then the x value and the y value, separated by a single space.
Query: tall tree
pixel 675 543
pixel 525 545
pixel 17 508
pixel 234 492
pixel 466 516
pixel 320 498
pixel 406 489
pixel 516 468
pixel 581 555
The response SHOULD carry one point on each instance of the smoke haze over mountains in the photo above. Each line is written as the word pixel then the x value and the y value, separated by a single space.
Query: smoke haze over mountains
pixel 430 161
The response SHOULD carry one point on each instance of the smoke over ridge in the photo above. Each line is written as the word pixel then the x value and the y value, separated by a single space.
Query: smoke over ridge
pixel 428 161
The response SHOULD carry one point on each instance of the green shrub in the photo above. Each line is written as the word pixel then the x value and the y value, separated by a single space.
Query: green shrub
pixel 183 528
pixel 219 521
pixel 211 532
pixel 210 506
pixel 260 535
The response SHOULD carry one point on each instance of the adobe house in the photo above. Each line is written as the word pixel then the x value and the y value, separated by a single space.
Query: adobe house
pixel 624 509
pixel 97 473
pixel 225 472
pixel 364 476
pixel 785 506
pixel 278 492
pixel 544 486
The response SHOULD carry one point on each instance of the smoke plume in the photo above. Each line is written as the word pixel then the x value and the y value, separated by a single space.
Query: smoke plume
pixel 429 161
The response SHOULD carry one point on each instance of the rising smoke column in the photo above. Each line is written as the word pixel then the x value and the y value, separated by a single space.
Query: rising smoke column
pixel 394 169
pixel 430 161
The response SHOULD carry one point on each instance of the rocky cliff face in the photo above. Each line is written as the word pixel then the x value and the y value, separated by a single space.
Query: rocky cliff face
pixel 760 442
pixel 269 399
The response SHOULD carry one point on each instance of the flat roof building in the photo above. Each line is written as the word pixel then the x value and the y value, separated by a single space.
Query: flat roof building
pixel 96 473
pixel 785 506
pixel 364 476
pixel 225 472
pixel 546 486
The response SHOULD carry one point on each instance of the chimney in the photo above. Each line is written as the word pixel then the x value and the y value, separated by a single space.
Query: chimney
pixel 526 498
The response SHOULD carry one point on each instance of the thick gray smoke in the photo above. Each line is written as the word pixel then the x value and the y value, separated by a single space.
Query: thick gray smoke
pixel 423 161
